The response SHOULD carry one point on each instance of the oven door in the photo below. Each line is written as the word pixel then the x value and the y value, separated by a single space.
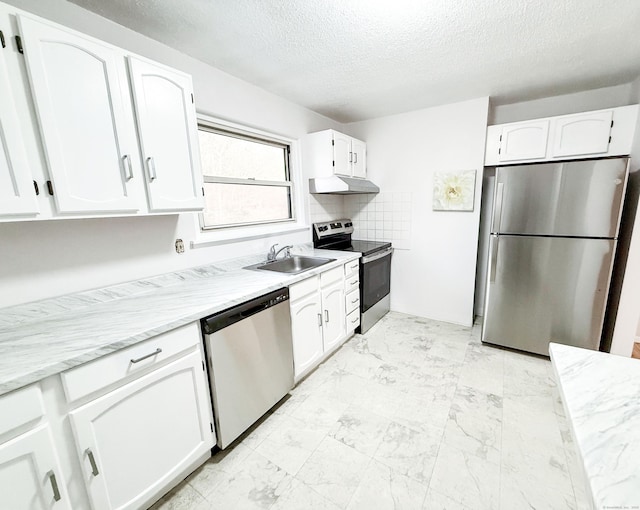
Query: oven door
pixel 375 278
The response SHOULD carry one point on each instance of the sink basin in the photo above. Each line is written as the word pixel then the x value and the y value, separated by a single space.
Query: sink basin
pixel 292 265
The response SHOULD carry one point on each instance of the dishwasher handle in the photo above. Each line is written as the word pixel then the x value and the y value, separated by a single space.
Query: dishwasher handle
pixel 243 311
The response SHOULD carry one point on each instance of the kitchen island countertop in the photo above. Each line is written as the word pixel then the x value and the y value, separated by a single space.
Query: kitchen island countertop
pixel 47 337
pixel 601 397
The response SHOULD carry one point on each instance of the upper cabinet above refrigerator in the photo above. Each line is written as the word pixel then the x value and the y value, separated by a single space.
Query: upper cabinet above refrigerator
pixel 601 133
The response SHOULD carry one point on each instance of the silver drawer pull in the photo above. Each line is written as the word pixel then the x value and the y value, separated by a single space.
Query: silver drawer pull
pixel 320 319
pixel 354 320
pixel 326 315
pixel 354 283
pixel 154 353
pixel 92 461
pixel 354 301
pixel 54 486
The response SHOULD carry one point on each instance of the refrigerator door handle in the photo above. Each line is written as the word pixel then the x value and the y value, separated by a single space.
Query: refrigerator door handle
pixel 494 258
pixel 497 208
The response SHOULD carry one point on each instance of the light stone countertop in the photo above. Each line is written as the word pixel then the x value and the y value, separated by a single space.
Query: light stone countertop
pixel 601 397
pixel 47 337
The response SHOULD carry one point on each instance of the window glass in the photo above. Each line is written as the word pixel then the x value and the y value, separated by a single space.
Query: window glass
pixel 247 179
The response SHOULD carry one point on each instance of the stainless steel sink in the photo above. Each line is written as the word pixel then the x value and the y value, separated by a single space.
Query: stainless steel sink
pixel 291 265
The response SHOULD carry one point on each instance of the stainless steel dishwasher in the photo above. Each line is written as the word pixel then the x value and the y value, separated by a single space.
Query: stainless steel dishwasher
pixel 250 357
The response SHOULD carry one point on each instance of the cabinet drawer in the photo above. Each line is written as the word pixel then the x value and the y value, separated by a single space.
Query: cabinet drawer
pixel 333 275
pixel 351 268
pixel 303 288
pixel 353 282
pixel 20 407
pixel 95 375
pixel 353 301
pixel 353 320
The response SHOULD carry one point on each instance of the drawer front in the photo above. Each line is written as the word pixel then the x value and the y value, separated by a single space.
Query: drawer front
pixel 112 368
pixel 352 283
pixel 353 301
pixel 353 320
pixel 303 288
pixel 351 268
pixel 20 407
pixel 333 275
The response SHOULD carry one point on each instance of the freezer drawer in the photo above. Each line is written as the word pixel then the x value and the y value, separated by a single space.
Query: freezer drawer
pixel 543 289
pixel 577 198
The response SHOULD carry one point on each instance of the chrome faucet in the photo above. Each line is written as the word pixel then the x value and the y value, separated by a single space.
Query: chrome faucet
pixel 273 254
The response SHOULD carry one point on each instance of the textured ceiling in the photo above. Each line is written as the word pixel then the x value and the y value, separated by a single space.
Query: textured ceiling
pixel 359 59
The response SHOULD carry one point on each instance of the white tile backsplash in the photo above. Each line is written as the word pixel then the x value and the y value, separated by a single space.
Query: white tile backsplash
pixel 326 207
pixel 382 217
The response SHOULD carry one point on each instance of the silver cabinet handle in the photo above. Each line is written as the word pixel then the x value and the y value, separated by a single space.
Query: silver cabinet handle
pixel 351 157
pixel 326 315
pixel 154 353
pixel 355 282
pixel 320 319
pixel 92 461
pixel 355 157
pixel 54 486
pixel 151 165
pixel 353 321
pixel 127 161
pixel 354 267
pixel 354 301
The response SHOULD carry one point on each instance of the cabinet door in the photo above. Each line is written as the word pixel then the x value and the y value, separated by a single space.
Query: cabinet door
pixel 524 140
pixel 333 314
pixel 585 133
pixel 168 133
pixel 342 154
pixel 134 441
pixel 30 475
pixel 86 127
pixel 306 330
pixel 17 194
pixel 359 149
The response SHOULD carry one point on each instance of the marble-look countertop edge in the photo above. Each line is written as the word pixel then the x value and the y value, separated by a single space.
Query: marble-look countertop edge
pixel 272 281
pixel 593 413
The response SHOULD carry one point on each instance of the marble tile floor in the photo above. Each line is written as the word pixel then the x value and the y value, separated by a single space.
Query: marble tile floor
pixel 415 414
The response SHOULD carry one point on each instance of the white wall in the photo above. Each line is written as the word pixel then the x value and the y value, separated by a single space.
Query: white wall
pixel 435 277
pixel 596 99
pixel 44 259
pixel 628 319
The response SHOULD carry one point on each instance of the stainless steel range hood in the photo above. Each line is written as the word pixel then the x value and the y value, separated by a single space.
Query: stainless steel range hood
pixel 339 185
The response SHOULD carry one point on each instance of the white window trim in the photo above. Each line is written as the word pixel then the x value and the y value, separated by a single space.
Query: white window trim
pixel 246 232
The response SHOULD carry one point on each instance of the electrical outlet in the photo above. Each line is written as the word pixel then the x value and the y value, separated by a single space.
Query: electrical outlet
pixel 179 246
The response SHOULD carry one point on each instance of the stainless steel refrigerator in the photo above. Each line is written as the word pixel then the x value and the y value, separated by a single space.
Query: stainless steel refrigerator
pixel 554 231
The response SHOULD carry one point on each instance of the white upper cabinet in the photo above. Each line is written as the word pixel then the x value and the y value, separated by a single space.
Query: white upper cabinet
pixel 167 129
pixel 524 140
pixel 330 152
pixel 80 93
pixel 17 192
pixel 584 135
pixel 359 150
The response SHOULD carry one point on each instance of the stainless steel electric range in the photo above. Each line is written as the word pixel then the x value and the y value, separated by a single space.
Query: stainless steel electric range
pixel 375 267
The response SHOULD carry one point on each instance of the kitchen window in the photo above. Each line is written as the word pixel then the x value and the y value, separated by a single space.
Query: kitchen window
pixel 247 178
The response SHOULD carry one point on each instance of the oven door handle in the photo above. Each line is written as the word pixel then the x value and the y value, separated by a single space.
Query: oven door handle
pixel 377 256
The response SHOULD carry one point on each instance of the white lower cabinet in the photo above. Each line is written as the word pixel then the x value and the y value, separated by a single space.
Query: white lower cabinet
pixel 318 315
pixel 306 329
pixel 30 475
pixel 133 441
